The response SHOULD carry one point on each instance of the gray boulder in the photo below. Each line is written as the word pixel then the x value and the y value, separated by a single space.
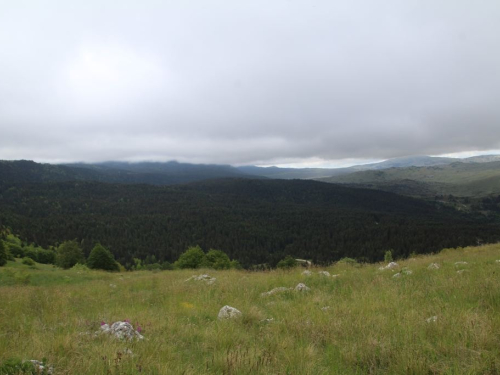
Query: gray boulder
pixel 228 312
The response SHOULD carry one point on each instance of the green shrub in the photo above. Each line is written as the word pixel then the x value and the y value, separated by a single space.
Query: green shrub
pixel 347 260
pixel 193 257
pixel 28 261
pixel 236 265
pixel 69 254
pixel 218 260
pixel 388 256
pixel 167 266
pixel 102 259
pixel 288 262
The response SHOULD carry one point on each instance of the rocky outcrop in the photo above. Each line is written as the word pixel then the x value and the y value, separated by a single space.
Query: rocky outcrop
pixel 121 330
pixel 228 312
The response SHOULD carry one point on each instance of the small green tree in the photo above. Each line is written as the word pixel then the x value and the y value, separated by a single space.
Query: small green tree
pixel 388 256
pixel 3 254
pixel 288 262
pixel 69 254
pixel 218 260
pixel 193 257
pixel 101 258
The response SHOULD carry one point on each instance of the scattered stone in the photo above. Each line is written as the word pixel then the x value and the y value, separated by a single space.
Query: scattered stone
pixel 121 330
pixel 433 266
pixel 335 275
pixel 404 271
pixel 324 273
pixel 432 319
pixel 460 263
pixel 390 266
pixel 228 312
pixel 275 290
pixel 461 271
pixel 40 367
pixel 206 278
pixel 497 261
pixel 302 288
pixel 307 273
pixel 326 308
pixel 304 262
pixel 112 285
pixel 269 320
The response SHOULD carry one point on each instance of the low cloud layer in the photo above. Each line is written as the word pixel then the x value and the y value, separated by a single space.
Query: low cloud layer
pixel 252 82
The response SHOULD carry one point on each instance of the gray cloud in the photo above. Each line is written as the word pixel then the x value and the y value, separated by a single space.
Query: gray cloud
pixel 263 82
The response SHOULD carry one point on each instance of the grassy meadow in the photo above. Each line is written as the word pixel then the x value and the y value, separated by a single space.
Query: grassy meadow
pixel 364 321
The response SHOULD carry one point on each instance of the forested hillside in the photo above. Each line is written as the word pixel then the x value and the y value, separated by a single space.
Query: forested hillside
pixel 253 221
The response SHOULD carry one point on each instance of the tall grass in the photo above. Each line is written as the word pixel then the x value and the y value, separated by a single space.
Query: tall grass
pixel 362 322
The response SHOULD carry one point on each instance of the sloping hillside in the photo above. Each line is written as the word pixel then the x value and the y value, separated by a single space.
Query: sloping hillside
pixel 461 179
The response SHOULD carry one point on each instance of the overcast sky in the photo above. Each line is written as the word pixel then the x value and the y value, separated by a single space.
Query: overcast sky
pixel 288 82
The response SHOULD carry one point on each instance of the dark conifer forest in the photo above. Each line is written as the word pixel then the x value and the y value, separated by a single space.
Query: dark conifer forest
pixel 254 221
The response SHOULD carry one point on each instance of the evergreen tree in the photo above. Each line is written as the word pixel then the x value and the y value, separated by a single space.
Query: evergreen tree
pixel 102 259
pixel 69 254
pixel 3 254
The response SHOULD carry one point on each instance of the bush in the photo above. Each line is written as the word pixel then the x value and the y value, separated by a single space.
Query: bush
pixel 69 254
pixel 236 265
pixel 218 260
pixel 28 261
pixel 3 254
pixel 167 266
pixel 388 256
pixel 102 259
pixel 347 260
pixel 288 262
pixel 193 257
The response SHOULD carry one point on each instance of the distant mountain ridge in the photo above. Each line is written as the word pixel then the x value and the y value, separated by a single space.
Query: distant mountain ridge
pixel 169 173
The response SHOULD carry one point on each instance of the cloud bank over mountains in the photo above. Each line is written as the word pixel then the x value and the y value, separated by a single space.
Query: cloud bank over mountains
pixel 282 82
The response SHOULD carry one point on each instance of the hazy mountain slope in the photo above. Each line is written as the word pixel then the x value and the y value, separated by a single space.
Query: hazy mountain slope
pixel 317 173
pixel 463 179
pixel 114 172
pixel 254 221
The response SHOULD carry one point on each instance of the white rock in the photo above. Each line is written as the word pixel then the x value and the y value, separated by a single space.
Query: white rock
pixel 275 290
pixel 228 312
pixel 269 320
pixel 307 273
pixel 497 261
pixel 432 319
pixel 302 288
pixel 406 271
pixel 460 263
pixel 335 275
pixel 40 367
pixel 112 285
pixel 396 275
pixel 325 308
pixel 461 271
pixel 121 330
pixel 433 266
pixel 391 265
pixel 324 273
pixel 206 278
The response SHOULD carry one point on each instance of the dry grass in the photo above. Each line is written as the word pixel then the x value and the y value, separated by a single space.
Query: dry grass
pixel 375 324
